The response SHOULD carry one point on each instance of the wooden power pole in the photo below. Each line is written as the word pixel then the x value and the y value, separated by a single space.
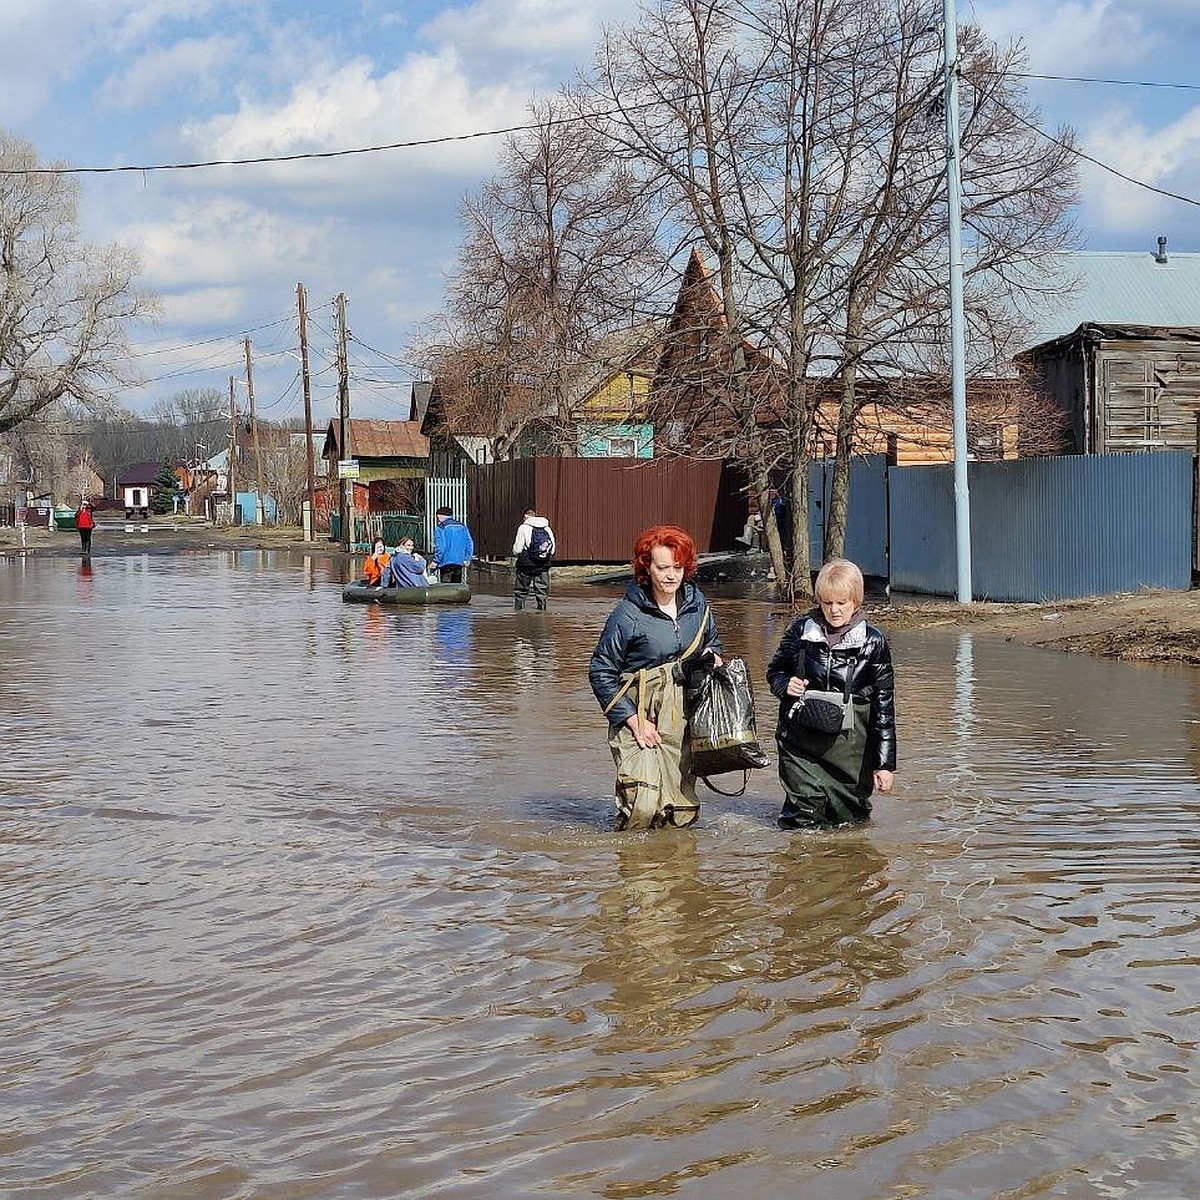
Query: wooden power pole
pixel 259 511
pixel 346 498
pixel 302 308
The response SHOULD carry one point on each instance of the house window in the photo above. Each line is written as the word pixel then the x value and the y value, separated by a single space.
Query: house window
pixel 622 447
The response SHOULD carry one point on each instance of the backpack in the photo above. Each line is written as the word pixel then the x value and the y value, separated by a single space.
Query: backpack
pixel 541 545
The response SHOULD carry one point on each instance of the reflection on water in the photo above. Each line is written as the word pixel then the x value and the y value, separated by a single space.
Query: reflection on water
pixel 311 899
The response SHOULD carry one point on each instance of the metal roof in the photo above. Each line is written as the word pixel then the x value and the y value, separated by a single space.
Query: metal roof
pixel 386 439
pixel 1120 288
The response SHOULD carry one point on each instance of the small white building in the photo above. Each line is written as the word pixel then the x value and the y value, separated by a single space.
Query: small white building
pixel 135 487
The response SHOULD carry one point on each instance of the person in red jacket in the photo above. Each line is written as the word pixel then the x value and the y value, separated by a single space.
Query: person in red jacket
pixel 85 523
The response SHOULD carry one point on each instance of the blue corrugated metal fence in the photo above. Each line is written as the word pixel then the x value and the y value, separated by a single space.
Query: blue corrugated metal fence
pixel 1047 528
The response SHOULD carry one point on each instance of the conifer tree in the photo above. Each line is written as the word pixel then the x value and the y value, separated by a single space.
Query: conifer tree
pixel 163 490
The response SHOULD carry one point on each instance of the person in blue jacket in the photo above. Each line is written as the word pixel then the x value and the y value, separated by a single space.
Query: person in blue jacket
pixel 406 568
pixel 659 632
pixel 453 547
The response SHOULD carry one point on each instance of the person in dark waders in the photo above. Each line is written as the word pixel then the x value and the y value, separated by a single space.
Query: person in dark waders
pixel 660 631
pixel 829 770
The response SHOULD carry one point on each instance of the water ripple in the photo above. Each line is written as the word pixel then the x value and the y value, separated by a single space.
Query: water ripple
pixel 302 899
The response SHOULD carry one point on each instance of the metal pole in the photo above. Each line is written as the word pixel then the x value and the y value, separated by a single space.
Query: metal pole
pixel 231 475
pixel 958 356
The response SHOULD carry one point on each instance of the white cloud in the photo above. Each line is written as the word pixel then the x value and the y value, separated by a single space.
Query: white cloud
pixel 203 245
pixel 1164 157
pixel 1067 39
pixel 549 37
pixel 355 108
pixel 194 65
pixel 200 306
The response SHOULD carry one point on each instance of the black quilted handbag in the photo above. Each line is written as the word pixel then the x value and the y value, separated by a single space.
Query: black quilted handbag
pixel 826 712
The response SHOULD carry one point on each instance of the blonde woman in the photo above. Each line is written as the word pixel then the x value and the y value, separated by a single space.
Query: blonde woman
pixel 828 776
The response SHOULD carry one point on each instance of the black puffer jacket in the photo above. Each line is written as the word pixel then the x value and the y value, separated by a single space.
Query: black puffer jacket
pixel 862 656
pixel 639 634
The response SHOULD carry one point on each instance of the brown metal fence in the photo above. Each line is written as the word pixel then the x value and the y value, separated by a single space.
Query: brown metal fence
pixel 598 506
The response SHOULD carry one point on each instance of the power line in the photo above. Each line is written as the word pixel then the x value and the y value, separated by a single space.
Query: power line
pixel 266 159
pixel 448 139
pixel 391 359
pixel 222 337
pixel 1142 83
pixel 1071 149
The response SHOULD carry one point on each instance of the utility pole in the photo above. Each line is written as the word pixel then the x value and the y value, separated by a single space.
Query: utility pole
pixel 230 481
pixel 958 354
pixel 302 308
pixel 258 480
pixel 346 498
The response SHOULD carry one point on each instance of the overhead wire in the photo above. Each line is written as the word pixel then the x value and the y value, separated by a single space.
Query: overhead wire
pixel 1091 158
pixel 569 119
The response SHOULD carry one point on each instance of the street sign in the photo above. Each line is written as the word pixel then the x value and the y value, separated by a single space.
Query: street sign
pixel 348 468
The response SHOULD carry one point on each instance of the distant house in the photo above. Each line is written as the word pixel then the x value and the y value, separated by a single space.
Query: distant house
pixel 608 399
pixel 203 482
pixel 387 453
pixel 450 454
pixel 907 418
pixel 1153 288
pixel 135 488
pixel 690 412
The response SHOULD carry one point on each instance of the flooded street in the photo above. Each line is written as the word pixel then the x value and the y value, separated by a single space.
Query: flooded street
pixel 307 899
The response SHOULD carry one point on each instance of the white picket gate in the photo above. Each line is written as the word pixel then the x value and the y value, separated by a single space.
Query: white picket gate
pixel 443 493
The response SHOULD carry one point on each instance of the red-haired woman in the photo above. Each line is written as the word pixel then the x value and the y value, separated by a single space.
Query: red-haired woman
pixel 637 676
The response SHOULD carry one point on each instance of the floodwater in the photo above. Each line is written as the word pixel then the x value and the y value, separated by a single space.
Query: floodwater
pixel 306 899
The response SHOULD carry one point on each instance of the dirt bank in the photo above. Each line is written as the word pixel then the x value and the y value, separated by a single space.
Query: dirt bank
pixel 1150 626
pixel 159 535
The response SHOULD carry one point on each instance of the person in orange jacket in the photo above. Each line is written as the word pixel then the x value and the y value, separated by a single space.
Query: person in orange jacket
pixel 376 561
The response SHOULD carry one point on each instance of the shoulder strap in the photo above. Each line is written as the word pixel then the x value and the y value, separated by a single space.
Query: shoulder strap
pixel 629 682
pixel 695 643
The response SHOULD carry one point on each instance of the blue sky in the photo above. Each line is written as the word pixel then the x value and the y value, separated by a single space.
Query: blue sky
pixel 119 82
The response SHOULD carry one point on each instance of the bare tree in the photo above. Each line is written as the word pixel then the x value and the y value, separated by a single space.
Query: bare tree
pixel 553 249
pixel 689 90
pixel 65 305
pixel 801 144
pixel 1018 191
pixel 81 476
pixel 285 472
pixel 195 422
